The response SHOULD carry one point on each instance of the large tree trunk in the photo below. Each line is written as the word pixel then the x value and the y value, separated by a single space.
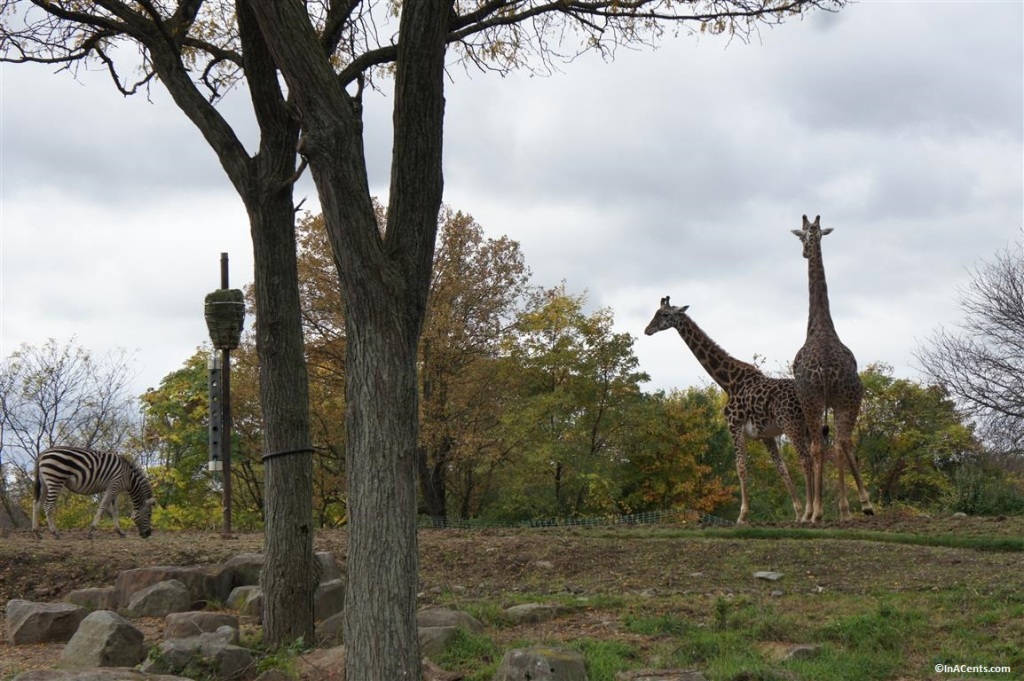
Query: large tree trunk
pixel 288 578
pixel 264 182
pixel 384 284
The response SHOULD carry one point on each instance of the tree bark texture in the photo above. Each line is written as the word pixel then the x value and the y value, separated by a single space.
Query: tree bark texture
pixel 263 182
pixel 384 283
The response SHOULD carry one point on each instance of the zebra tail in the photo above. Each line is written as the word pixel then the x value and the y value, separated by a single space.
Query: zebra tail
pixel 37 488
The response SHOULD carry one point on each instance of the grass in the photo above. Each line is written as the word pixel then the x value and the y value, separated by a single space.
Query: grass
pixel 885 634
pixel 997 543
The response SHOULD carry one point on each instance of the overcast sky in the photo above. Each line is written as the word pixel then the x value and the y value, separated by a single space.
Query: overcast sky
pixel 677 171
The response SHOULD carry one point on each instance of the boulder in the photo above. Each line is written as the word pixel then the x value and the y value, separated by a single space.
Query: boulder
pixel 443 617
pixel 104 639
pixel 98 674
pixel 93 598
pixel 541 664
pixel 434 640
pixel 27 622
pixel 331 630
pixel 329 599
pixel 329 568
pixel 159 600
pixel 193 623
pixel 207 654
pixel 244 569
pixel 211 583
pixel 322 664
pixel 529 613
pixel 661 675
pixel 247 600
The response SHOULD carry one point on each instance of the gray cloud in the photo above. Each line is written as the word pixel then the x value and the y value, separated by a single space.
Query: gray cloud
pixel 677 171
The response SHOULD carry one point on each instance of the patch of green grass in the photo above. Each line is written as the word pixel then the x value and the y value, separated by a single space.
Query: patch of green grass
pixel 834 664
pixel 995 543
pixel 886 629
pixel 488 612
pixel 475 655
pixel 605 658
pixel 659 625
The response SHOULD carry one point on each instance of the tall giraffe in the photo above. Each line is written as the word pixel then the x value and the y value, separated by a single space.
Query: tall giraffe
pixel 826 377
pixel 758 406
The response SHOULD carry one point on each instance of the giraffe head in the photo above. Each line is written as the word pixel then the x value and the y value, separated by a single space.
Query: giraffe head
pixel 811 234
pixel 665 318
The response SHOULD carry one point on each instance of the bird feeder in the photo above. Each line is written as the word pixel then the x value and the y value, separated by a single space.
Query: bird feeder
pixel 225 314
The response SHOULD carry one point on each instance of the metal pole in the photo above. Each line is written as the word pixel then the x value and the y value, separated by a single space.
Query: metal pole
pixel 225 443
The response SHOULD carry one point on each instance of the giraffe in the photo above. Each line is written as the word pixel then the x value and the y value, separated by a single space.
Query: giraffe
pixel 757 407
pixel 826 377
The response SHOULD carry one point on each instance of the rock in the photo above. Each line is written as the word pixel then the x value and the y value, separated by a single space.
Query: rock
pixel 768 576
pixel 98 674
pixel 331 630
pixel 104 639
pixel 543 564
pixel 541 664
pixel 159 600
pixel 329 568
pixel 431 672
pixel 247 600
pixel 329 599
pixel 93 598
pixel 322 664
pixel 193 623
pixel 661 675
pixel 959 514
pixel 529 613
pixel 434 640
pixel 244 569
pixel 442 617
pixel 203 583
pixel 776 593
pixel 784 652
pixel 206 653
pixel 27 622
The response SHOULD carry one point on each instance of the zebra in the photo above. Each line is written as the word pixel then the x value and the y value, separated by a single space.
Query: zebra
pixel 87 471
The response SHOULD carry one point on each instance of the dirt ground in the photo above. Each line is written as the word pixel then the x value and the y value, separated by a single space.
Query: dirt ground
pixel 498 564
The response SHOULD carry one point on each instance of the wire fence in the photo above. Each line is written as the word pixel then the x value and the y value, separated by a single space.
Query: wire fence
pixel 667 517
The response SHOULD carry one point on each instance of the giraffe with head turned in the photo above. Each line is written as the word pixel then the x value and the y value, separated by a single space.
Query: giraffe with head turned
pixel 758 406
pixel 826 377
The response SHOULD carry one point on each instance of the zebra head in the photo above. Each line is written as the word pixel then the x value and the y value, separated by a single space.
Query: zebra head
pixel 142 515
pixel 141 493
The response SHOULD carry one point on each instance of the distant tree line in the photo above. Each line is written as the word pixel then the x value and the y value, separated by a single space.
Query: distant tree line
pixel 532 407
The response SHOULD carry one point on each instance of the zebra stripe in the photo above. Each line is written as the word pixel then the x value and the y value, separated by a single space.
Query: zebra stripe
pixel 87 471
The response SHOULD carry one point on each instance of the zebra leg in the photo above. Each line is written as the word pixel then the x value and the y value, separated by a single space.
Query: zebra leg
pixel 112 507
pixel 36 505
pixel 109 501
pixel 50 509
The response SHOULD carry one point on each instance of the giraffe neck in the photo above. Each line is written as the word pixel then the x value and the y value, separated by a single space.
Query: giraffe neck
pixel 819 318
pixel 723 368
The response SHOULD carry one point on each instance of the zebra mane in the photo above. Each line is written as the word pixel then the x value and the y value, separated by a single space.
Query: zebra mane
pixel 139 477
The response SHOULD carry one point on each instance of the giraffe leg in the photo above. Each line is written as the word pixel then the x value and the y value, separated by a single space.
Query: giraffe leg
pixel 844 439
pixel 799 441
pixel 741 472
pixel 780 466
pixel 844 503
pixel 818 473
